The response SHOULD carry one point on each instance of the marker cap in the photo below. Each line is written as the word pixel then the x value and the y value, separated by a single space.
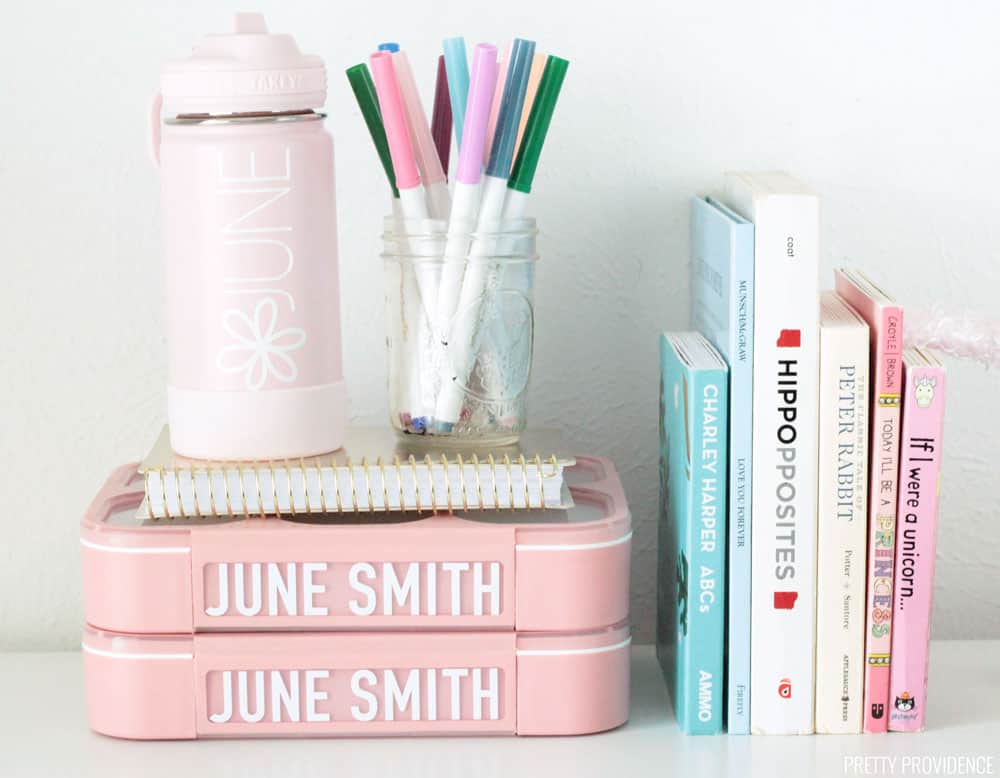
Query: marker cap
pixel 394 117
pixel 421 139
pixel 523 174
pixel 477 114
pixel 364 90
pixel 457 67
pixel 505 137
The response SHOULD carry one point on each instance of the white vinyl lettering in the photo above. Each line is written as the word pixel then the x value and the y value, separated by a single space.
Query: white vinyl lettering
pixel 244 695
pixel 241 595
pixel 310 589
pixel 455 676
pixel 409 589
pixel 432 594
pixel 400 698
pixel 479 589
pixel 354 580
pixel 491 693
pixel 371 711
pixel 284 697
pixel 455 569
pixel 227 700
pixel 314 695
pixel 283 588
pixel 223 606
pixel 432 694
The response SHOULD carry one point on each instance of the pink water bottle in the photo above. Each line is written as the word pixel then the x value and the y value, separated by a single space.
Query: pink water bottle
pixel 246 167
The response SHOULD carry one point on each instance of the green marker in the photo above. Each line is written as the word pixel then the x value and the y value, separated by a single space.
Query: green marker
pixel 523 173
pixel 364 91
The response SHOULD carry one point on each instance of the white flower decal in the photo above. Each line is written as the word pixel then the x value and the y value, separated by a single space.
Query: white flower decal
pixel 260 350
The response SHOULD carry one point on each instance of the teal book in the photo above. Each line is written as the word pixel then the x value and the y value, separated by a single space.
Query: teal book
pixel 722 299
pixel 690 633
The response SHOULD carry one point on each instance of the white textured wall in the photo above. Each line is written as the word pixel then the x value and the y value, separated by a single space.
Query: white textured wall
pixel 889 110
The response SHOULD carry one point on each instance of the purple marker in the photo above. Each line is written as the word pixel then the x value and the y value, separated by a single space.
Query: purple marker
pixel 465 199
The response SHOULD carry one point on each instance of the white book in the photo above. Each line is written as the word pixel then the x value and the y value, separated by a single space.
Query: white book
pixel 785 406
pixel 842 544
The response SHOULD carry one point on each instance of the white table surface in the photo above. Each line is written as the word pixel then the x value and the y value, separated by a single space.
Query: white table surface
pixel 43 731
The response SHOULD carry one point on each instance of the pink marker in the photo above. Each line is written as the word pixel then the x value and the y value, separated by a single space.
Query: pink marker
pixel 495 107
pixel 431 173
pixel 411 201
pixel 411 193
pixel 465 205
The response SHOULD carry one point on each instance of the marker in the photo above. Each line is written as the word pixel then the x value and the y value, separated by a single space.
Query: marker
pixel 466 197
pixel 523 174
pixel 419 284
pixel 391 47
pixel 364 91
pixel 497 97
pixel 463 336
pixel 534 78
pixel 411 195
pixel 502 152
pixel 457 68
pixel 431 175
pixel 441 117
pixel 521 178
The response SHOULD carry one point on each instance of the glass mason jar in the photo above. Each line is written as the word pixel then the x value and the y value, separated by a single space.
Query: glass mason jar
pixel 460 329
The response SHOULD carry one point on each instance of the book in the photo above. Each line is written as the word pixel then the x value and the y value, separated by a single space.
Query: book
pixel 885 321
pixel 920 472
pixel 722 309
pixel 842 533
pixel 692 531
pixel 785 215
pixel 375 471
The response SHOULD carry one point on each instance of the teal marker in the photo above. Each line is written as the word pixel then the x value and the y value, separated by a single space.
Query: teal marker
pixel 456 67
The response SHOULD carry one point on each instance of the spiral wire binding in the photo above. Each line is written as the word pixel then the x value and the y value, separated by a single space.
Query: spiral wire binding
pixel 505 467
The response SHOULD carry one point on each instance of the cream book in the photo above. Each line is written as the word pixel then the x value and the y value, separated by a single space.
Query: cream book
pixel 844 385
pixel 376 470
pixel 785 215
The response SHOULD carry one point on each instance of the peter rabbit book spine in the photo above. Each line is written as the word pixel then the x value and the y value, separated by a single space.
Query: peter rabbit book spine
pixel 919 479
pixel 722 309
pixel 692 529
pixel 843 517
pixel 785 215
pixel 885 322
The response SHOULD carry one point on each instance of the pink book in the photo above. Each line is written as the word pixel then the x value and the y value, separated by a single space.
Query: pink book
pixel 920 469
pixel 885 321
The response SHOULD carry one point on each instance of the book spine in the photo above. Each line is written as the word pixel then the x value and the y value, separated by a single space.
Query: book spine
pixel 885 416
pixel 705 542
pixel 920 469
pixel 671 572
pixel 842 529
pixel 740 486
pixel 785 403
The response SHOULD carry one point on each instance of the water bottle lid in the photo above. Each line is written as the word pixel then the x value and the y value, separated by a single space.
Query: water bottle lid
pixel 244 71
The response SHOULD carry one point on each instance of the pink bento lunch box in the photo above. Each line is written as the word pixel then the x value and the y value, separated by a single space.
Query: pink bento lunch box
pixel 510 622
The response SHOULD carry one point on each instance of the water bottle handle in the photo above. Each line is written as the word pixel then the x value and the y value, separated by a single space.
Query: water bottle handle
pixel 153 127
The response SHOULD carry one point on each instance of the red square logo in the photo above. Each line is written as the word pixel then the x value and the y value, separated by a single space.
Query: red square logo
pixel 790 339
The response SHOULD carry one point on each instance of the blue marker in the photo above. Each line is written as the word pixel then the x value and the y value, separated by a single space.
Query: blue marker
pixel 391 47
pixel 509 119
pixel 457 69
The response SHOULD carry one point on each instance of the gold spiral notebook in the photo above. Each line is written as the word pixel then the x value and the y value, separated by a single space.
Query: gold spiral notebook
pixel 375 471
